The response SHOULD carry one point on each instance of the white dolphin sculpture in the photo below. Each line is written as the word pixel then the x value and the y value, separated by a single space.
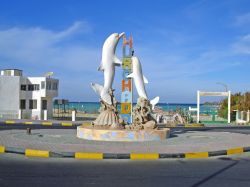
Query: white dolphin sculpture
pixel 139 81
pixel 109 61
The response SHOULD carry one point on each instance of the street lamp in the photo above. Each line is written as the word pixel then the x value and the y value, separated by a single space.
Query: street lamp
pixel 223 84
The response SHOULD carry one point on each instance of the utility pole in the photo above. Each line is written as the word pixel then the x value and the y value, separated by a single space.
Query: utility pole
pixel 223 84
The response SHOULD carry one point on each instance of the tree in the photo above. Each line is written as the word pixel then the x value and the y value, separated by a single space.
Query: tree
pixel 238 102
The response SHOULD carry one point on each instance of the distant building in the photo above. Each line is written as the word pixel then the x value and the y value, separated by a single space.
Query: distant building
pixel 26 97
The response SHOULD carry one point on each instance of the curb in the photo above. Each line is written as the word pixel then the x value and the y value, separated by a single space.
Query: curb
pixel 194 125
pixel 42 123
pixel 71 124
pixel 75 124
pixel 131 156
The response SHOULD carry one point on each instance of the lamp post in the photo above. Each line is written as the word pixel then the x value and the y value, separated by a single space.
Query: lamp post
pixel 223 84
pixel 228 103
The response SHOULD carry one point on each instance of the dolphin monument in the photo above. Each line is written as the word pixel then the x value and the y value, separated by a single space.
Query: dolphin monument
pixel 109 126
pixel 142 112
pixel 109 115
pixel 139 80
pixel 108 63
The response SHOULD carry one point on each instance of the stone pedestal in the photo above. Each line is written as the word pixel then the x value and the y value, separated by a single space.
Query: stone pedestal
pixel 89 133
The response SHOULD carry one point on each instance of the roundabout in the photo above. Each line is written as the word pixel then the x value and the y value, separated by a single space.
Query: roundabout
pixel 180 144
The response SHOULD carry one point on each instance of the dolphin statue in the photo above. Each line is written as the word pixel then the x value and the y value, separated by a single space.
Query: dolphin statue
pixel 109 61
pixel 139 80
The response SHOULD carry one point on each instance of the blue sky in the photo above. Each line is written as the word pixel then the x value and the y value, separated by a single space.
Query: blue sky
pixel 183 45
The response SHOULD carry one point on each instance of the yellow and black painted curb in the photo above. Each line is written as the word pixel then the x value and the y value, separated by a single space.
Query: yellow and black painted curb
pixel 189 125
pixel 42 123
pixel 194 125
pixel 68 124
pixel 132 156
pixel 72 124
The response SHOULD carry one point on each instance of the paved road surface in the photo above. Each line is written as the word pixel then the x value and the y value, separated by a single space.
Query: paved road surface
pixel 17 170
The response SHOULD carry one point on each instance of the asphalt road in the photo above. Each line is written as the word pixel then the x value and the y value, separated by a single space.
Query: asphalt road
pixel 17 170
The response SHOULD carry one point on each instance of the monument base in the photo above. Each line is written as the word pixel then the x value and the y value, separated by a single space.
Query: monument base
pixel 89 133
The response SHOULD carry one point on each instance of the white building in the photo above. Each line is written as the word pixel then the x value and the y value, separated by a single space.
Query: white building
pixel 26 97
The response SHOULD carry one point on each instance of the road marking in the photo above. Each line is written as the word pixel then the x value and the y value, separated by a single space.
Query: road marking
pixel 36 153
pixel 197 155
pixel 237 150
pixel 2 149
pixel 66 124
pixel 46 123
pixel 28 122
pixel 9 122
pixel 144 156
pixel 96 156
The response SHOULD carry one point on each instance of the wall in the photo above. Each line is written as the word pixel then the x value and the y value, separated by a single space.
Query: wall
pixel 39 95
pixel 9 96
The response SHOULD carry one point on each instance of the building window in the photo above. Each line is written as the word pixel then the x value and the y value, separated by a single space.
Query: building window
pixel 43 85
pixel 23 87
pixel 32 87
pixel 44 104
pixel 7 72
pixel 22 104
pixel 33 104
pixel 36 87
pixel 55 86
pixel 48 85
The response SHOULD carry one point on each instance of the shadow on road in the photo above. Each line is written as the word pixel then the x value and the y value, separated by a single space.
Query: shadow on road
pixel 234 162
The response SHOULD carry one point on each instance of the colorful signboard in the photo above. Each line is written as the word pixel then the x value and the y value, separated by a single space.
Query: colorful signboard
pixel 127 84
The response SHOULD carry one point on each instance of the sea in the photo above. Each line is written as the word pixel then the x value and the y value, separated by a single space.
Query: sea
pixel 93 107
